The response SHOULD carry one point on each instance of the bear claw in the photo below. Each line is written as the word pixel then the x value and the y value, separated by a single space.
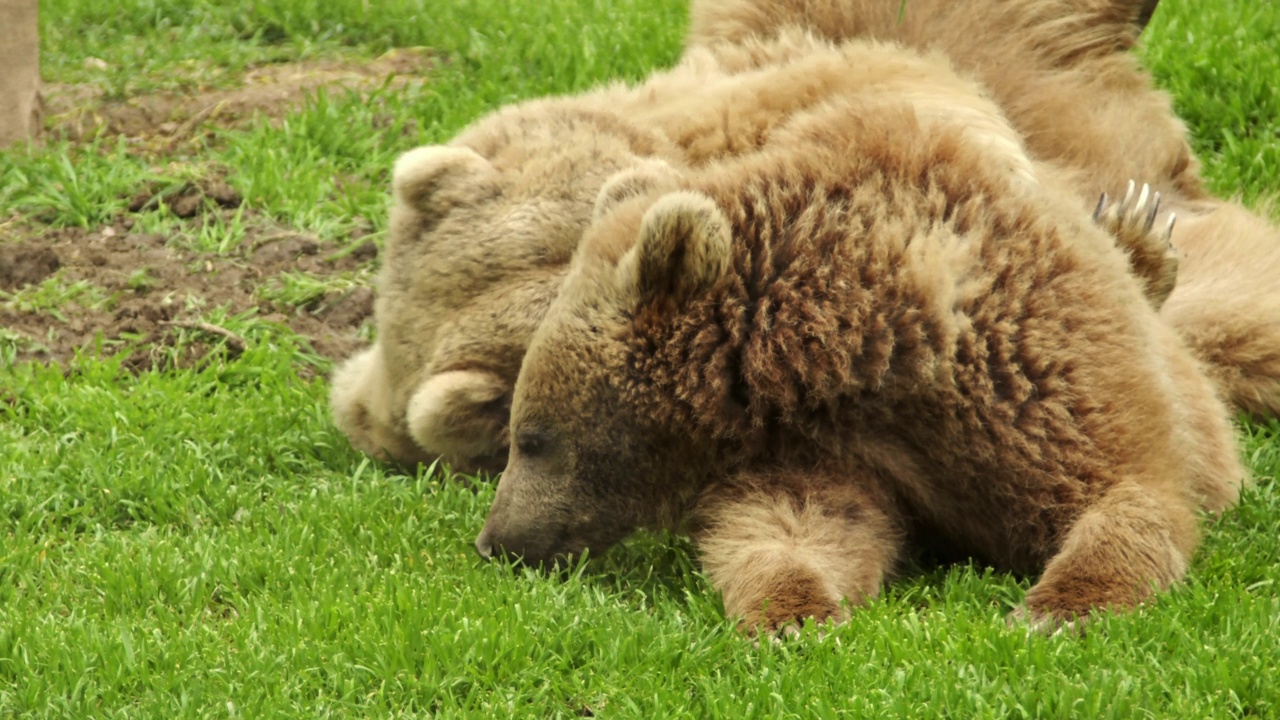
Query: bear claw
pixel 1044 623
pixel 1122 215
pixel 1132 223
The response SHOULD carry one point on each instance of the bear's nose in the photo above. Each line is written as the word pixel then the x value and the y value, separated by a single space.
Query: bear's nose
pixel 484 546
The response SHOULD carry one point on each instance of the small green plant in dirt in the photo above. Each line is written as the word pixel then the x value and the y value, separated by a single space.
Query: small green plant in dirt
pixel 310 291
pixel 13 342
pixel 142 280
pixel 53 294
pixel 238 332
pixel 220 233
pixel 68 185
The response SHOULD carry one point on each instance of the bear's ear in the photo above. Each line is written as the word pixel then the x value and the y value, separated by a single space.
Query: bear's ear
pixel 434 178
pixel 461 415
pixel 632 182
pixel 683 248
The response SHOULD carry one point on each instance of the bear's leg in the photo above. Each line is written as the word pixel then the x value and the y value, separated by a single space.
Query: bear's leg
pixel 781 548
pixel 1227 302
pixel 1132 222
pixel 1124 547
pixel 360 401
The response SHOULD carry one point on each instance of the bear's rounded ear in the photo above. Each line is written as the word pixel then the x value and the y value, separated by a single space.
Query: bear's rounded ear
pixel 632 182
pixel 683 249
pixel 436 177
pixel 462 416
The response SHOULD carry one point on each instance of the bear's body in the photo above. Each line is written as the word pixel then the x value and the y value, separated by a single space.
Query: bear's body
pixel 477 253
pixel 1060 70
pixel 1061 73
pixel 864 335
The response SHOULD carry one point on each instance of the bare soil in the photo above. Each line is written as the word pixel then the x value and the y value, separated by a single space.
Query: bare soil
pixel 148 290
pixel 82 111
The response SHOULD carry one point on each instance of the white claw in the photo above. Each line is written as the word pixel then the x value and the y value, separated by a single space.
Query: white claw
pixel 1151 214
pixel 1142 199
pixel 1168 230
pixel 1102 204
pixel 1128 195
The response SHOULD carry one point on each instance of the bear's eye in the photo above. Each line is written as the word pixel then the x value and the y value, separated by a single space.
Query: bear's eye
pixel 531 443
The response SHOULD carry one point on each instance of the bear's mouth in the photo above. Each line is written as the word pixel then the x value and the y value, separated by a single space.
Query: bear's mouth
pixel 560 554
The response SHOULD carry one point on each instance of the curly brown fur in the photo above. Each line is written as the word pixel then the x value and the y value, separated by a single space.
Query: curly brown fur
pixel 1058 70
pixel 483 227
pixel 867 304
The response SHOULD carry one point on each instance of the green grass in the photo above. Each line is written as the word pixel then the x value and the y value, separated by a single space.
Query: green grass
pixel 203 543
pixel 307 290
pixel 1218 63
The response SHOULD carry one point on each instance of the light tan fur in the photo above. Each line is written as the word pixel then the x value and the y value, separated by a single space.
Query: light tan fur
pixel 900 344
pixel 782 549
pixel 360 400
pixel 481 233
pixel 1058 69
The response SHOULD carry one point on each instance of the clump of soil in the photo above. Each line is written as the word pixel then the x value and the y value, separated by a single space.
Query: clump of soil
pixel 150 293
pixel 79 112
pixel 26 266
pixel 188 200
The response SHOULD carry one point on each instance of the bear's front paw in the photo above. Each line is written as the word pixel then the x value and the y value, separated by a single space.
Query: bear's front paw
pixel 781 613
pixel 1132 222
pixel 1046 622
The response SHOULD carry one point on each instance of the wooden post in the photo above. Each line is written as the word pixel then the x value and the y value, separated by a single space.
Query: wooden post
pixel 19 71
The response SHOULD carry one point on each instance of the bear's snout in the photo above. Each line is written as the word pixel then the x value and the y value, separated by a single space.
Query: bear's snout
pixel 518 550
pixel 535 545
pixel 484 546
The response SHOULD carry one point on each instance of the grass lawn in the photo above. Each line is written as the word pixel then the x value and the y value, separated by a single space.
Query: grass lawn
pixel 190 537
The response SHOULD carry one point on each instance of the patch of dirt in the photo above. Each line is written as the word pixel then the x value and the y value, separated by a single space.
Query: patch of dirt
pixel 82 111
pixel 19 267
pixel 149 296
pixel 153 293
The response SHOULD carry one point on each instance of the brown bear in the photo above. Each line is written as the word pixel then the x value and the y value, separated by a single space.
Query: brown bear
pixel 482 228
pixel 863 337
pixel 1060 71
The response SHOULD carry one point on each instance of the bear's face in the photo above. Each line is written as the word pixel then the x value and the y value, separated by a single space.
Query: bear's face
pixel 481 235
pixel 576 455
pixel 594 453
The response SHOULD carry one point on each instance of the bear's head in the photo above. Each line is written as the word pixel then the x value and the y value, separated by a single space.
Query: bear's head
pixel 481 233
pixel 599 445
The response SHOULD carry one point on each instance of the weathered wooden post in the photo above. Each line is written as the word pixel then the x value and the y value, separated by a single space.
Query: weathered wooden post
pixel 19 71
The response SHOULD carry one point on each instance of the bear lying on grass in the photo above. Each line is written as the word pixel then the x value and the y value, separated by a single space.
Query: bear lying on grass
pixel 867 335
pixel 477 250
pixel 1061 73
